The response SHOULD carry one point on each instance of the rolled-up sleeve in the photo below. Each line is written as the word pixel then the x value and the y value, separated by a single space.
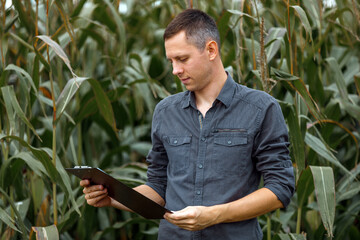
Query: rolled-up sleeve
pixel 157 159
pixel 272 154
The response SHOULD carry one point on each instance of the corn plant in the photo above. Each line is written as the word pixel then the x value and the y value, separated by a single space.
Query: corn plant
pixel 79 81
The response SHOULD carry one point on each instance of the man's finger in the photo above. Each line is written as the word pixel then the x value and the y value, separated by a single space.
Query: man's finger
pixel 95 197
pixel 95 194
pixel 84 183
pixel 93 188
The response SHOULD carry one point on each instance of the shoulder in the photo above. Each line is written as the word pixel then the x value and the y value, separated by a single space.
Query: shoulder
pixel 172 100
pixel 257 98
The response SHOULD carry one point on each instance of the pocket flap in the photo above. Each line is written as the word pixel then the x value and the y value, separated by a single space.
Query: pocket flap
pixel 179 140
pixel 230 140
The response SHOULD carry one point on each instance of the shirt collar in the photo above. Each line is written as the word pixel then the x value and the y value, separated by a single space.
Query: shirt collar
pixel 189 100
pixel 227 92
pixel 225 96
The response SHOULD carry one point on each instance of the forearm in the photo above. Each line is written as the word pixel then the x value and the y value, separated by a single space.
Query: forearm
pixel 144 190
pixel 255 204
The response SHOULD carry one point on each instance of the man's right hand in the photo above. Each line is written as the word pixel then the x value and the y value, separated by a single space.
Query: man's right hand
pixel 95 195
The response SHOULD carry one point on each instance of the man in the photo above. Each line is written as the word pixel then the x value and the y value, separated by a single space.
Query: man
pixel 211 145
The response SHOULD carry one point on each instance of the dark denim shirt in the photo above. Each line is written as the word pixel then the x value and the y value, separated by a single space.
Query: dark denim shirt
pixel 220 158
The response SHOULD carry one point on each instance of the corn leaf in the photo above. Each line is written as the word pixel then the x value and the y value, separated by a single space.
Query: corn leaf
pixel 19 220
pixel 241 14
pixel 58 50
pixel 325 195
pixel 65 19
pixel 120 27
pixel 298 85
pixel 304 187
pixel 57 175
pixel 336 76
pixel 67 93
pixel 319 147
pixel 27 76
pixel 44 233
pixel 273 41
pixel 304 20
pixel 296 139
pixel 4 216
pixel 103 103
pixel 9 97
pixel 289 236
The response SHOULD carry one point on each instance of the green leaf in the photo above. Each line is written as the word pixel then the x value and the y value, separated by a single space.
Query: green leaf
pixel 30 161
pixel 24 17
pixel 304 20
pixel 78 8
pixel 63 179
pixel 10 112
pixel 137 64
pixel 22 207
pixel 282 76
pixel 141 147
pixel 241 14
pixel 296 139
pixel 9 97
pixel 10 23
pixel 182 4
pixel 223 25
pixel 351 191
pixel 314 11
pixel 40 56
pixel 67 93
pixel 305 186
pixel 103 103
pixel 352 109
pixel 19 220
pixel 325 195
pixel 58 50
pixel 299 86
pixel 44 233
pixel 274 37
pixel 4 216
pixel 23 72
pixel 57 175
pixel 120 27
pixel 336 76
pixel 37 191
pixel 89 106
pixel 42 156
pixel 319 147
pixel 289 236
pixel 65 19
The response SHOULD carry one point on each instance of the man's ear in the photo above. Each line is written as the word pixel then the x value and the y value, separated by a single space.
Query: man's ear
pixel 212 49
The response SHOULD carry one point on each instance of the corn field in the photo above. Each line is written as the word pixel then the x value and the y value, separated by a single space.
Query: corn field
pixel 79 81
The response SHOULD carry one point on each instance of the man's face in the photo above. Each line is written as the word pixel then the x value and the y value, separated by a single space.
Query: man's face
pixel 190 65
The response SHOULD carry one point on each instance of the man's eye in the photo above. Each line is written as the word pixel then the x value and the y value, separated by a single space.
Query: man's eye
pixel 183 59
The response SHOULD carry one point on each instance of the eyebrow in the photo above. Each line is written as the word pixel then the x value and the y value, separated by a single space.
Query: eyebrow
pixel 179 57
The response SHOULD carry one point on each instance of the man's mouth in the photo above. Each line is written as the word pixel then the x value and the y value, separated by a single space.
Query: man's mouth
pixel 185 80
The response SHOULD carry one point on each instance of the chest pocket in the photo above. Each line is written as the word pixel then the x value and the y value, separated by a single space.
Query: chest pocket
pixel 178 151
pixel 230 153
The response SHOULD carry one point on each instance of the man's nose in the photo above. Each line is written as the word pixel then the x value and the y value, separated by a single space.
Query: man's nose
pixel 177 69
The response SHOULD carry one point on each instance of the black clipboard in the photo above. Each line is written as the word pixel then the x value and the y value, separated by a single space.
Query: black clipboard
pixel 120 192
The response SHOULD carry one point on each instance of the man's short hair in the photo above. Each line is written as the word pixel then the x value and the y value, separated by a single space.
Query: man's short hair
pixel 198 26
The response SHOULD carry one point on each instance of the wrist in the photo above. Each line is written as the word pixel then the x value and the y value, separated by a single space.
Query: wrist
pixel 217 212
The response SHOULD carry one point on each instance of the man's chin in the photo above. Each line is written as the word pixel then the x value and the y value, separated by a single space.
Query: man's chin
pixel 189 87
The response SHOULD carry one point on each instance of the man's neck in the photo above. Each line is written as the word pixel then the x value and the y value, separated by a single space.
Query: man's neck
pixel 206 97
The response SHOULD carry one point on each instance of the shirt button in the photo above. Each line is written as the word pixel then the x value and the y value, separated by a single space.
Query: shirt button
pixel 198 192
pixel 229 142
pixel 175 141
pixel 203 139
pixel 200 166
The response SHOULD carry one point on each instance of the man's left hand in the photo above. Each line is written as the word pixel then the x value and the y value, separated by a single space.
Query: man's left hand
pixel 193 218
